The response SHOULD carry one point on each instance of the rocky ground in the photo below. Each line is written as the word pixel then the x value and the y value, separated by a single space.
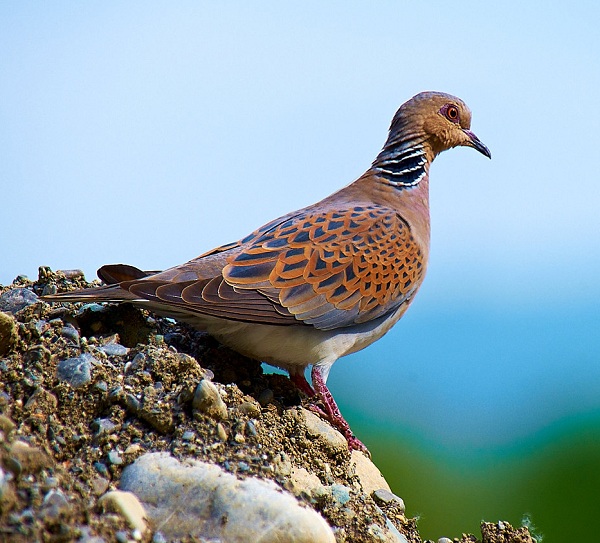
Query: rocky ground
pixel 116 425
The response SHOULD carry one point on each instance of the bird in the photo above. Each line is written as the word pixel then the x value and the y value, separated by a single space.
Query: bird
pixel 321 282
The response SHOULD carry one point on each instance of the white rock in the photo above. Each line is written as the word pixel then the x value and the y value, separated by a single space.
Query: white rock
pixel 197 499
pixel 368 473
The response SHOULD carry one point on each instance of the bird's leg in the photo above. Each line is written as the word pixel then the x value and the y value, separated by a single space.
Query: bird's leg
pixel 332 412
pixel 300 381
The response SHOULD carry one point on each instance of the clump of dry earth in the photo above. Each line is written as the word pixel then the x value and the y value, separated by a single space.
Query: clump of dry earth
pixel 117 425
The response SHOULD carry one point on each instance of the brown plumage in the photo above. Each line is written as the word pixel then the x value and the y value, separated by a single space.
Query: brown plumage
pixel 323 281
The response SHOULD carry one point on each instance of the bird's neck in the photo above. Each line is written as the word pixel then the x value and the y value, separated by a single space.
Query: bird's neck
pixel 403 164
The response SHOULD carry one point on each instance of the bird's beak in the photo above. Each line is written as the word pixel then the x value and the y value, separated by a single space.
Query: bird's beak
pixel 476 143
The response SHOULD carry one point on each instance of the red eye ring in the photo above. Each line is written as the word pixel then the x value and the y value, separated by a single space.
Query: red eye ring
pixel 452 113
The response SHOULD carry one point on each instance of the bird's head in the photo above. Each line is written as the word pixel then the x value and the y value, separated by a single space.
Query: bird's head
pixel 441 120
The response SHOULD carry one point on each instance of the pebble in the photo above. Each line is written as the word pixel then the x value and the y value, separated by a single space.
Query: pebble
pixel 27 459
pixel 115 458
pixel 158 537
pixel 138 363
pixel 191 499
pixel 6 425
pixel 133 448
pixel 266 397
pixel 188 435
pixel 54 505
pixel 221 432
pixel 70 333
pixel 251 428
pixel 323 431
pixel 340 493
pixel 444 540
pixel 251 409
pixel 8 333
pixel 99 485
pixel 77 372
pixel 208 400
pixel 103 426
pixel 128 506
pixel 384 496
pixel 113 349
pixel 12 301
pixel 94 307
pixel 101 468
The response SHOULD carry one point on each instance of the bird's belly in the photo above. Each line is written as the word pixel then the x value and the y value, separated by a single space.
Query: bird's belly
pixel 293 348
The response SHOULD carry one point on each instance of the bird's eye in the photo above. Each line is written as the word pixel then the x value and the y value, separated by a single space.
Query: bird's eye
pixel 451 113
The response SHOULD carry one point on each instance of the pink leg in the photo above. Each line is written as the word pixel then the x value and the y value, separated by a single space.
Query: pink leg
pixel 332 411
pixel 300 381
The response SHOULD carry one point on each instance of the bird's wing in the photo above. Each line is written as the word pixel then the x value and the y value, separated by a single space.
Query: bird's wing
pixel 326 268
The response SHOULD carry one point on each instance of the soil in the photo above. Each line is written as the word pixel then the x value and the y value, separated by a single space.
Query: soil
pixel 62 447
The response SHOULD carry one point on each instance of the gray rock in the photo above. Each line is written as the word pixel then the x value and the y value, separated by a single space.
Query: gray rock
pixel 113 349
pixel 77 372
pixel 201 500
pixel 12 301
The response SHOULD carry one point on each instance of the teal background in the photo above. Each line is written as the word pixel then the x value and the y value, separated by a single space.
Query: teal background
pixel 148 132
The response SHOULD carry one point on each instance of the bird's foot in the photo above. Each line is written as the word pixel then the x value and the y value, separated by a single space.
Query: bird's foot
pixel 332 412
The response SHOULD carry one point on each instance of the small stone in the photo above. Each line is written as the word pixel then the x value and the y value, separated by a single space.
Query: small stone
pixel 133 448
pixel 6 425
pixel 103 426
pixel 101 386
pixel 323 431
pixel 208 400
pixel 239 438
pixel 340 493
pixel 444 540
pixel 121 537
pixel 188 435
pixel 266 397
pixel 251 428
pixel 114 349
pixel 29 459
pixel 158 537
pixel 115 458
pixel 70 333
pixel 99 485
pixel 8 333
pixel 221 432
pixel 302 481
pixel 101 468
pixel 55 503
pixel 138 363
pixel 41 401
pixel 128 506
pixel 77 372
pixel 250 408
pixel 49 290
pixel 133 404
pixel 12 301
pixel 385 497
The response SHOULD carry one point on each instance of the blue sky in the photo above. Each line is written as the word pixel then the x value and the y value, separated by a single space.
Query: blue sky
pixel 147 133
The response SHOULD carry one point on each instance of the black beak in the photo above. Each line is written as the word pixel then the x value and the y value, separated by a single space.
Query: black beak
pixel 476 143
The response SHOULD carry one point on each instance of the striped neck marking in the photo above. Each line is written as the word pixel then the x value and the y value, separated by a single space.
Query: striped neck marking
pixel 403 168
